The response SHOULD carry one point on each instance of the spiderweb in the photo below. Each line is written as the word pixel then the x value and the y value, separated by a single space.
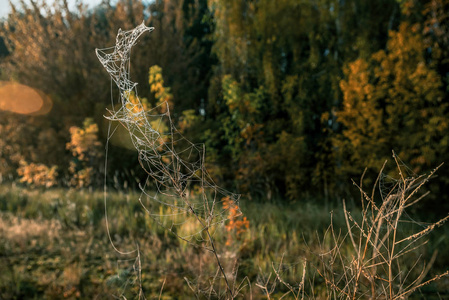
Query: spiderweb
pixel 174 165
pixel 405 182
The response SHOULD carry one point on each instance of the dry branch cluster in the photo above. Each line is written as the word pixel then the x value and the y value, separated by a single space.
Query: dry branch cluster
pixel 377 264
pixel 377 257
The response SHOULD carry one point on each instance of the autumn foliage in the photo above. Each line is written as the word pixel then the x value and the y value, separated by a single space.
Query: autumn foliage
pixel 237 224
pixel 86 152
pixel 37 175
pixel 393 100
pixel 291 98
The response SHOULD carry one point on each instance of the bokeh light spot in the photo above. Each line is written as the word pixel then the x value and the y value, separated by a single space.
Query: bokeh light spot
pixel 22 99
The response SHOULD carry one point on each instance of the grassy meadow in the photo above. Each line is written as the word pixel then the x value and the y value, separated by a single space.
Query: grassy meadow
pixel 290 98
pixel 54 245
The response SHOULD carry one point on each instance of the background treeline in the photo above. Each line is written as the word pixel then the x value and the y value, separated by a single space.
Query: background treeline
pixel 291 97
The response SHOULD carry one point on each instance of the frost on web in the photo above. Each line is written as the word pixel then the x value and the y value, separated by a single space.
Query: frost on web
pixel 400 183
pixel 174 165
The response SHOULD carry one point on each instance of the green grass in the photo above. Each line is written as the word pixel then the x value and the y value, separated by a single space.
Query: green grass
pixel 54 245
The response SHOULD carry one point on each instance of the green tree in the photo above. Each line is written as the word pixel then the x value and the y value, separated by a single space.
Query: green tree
pixel 287 57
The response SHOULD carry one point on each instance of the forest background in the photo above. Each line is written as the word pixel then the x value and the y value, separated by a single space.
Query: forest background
pixel 292 99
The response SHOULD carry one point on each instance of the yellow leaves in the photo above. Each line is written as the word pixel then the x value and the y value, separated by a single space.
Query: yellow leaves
pixel 188 119
pixel 136 108
pixel 85 148
pixel 231 93
pixel 161 93
pixel 136 105
pixel 239 102
pixel 84 141
pixel 80 178
pixel 37 175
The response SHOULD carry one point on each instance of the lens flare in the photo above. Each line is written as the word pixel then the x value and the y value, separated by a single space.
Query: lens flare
pixel 22 99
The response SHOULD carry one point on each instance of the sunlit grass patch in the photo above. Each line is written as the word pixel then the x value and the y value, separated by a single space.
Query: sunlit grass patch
pixel 54 242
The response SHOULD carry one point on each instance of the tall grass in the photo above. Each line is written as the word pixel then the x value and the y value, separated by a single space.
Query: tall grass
pixel 379 255
pixel 53 245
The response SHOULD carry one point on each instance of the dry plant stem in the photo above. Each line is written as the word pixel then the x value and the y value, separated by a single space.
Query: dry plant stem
pixel 303 278
pixel 425 231
pixel 437 277
pixel 371 203
pixel 211 241
pixel 333 285
pixel 241 286
pixel 214 251
pixel 291 289
pixel 209 236
pixel 191 288
pixel 280 279
pixel 378 233
pixel 211 289
pixel 162 288
pixel 139 270
pixel 205 227
pixel 361 255
pixel 264 287
pixel 391 253
pixel 398 215
pixel 338 253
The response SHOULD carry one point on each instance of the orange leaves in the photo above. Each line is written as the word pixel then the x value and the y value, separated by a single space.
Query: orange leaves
pixel 357 85
pixel 239 226
pixel 236 225
pixel 392 100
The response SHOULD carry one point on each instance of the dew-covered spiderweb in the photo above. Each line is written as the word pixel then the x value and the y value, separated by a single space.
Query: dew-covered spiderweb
pixel 178 192
pixel 403 180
